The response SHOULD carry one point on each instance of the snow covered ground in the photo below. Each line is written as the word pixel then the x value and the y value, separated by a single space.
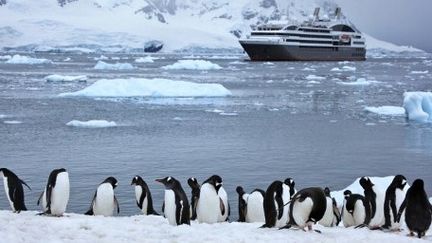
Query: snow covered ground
pixel 91 124
pixel 27 227
pixel 140 87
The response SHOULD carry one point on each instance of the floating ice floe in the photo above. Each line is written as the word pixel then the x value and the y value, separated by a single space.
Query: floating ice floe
pixel 91 124
pixel 420 72
pixel 308 69
pixel 5 57
pixel 67 59
pixel 192 65
pixel 18 59
pixel 65 78
pixel 102 57
pixel 360 82
pixel 100 65
pixel 418 106
pixel 147 59
pixel 12 122
pixel 314 77
pixel 343 69
pixel 140 87
pixel 386 110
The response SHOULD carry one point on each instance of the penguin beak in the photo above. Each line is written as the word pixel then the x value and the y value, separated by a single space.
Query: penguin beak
pixel 159 180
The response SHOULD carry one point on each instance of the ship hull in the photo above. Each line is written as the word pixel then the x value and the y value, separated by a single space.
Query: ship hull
pixel 280 52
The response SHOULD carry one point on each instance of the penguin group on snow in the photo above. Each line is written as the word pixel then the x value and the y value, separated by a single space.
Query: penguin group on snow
pixel 279 206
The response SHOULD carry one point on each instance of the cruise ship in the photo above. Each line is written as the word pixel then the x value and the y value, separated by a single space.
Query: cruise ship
pixel 331 38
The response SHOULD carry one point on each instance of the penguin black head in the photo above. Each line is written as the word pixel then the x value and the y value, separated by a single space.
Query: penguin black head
pixel 137 180
pixel 111 180
pixel 216 181
pixel 169 182
pixel 347 194
pixel 327 191
pixel 289 182
pixel 4 172
pixel 418 185
pixel 240 191
pixel 193 183
pixel 366 182
pixel 399 181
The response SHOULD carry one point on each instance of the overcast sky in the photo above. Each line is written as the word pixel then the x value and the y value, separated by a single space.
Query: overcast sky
pixel 405 22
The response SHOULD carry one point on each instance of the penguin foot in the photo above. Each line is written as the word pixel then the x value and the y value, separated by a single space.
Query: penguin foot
pixel 288 226
pixel 374 228
pixel 318 231
pixel 266 226
pixel 360 226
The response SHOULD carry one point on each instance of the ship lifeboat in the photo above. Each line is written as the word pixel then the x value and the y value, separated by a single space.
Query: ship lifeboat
pixel 345 38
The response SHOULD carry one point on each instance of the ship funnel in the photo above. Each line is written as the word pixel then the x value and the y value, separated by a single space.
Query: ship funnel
pixel 316 13
pixel 338 12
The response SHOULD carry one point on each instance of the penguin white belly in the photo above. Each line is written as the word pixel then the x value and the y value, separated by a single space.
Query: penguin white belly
pixel 378 219
pixel 170 207
pixel 6 187
pixel 301 211
pixel 328 217
pixel 255 208
pixel 60 194
pixel 347 218
pixel 138 192
pixel 224 196
pixel 359 214
pixel 43 201
pixel 208 208
pixel 104 202
pixel 285 214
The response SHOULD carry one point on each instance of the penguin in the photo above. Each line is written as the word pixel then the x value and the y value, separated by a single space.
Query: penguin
pixel 14 190
pixel 55 197
pixel 376 200
pixel 242 203
pixel 212 205
pixel 194 185
pixel 393 199
pixel 176 204
pixel 274 206
pixel 290 185
pixel 104 201
pixel 307 207
pixel 251 206
pixel 356 210
pixel 418 210
pixel 143 196
pixel 332 215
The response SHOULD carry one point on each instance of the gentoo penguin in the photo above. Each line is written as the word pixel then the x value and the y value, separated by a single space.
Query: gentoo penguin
pixel 393 199
pixel 14 190
pixel 251 206
pixel 332 215
pixel 356 210
pixel 104 201
pixel 418 210
pixel 212 205
pixel 55 197
pixel 274 206
pixel 195 186
pixel 143 196
pixel 176 205
pixel 376 199
pixel 307 207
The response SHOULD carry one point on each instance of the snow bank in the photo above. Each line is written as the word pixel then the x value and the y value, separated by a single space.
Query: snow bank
pixel 386 110
pixel 18 59
pixel 62 78
pixel 418 106
pixel 73 228
pixel 91 123
pixel 150 88
pixel 100 65
pixel 192 65
pixel 360 82
pixel 375 44
pixel 147 59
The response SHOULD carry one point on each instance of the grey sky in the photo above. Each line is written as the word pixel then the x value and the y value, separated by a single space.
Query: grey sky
pixel 405 22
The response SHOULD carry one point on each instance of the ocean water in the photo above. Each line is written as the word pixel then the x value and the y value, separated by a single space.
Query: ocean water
pixel 280 122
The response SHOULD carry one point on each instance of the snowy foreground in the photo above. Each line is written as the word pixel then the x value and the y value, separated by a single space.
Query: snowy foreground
pixel 27 227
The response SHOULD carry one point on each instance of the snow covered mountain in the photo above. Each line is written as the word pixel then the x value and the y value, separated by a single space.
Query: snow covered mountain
pixel 118 24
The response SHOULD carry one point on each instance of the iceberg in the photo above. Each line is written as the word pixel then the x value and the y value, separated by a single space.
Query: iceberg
pixel 91 124
pixel 141 87
pixel 100 65
pixel 386 110
pixel 64 78
pixel 192 65
pixel 147 59
pixel 418 106
pixel 18 59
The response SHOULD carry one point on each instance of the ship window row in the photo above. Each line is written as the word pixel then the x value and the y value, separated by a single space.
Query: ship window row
pixel 310 41
pixel 358 43
pixel 342 27
pixel 297 35
pixel 314 30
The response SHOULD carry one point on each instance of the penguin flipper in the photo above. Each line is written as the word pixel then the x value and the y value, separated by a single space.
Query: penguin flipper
pixel 142 197
pixel 18 201
pixel 221 206
pixel 90 211
pixel 280 204
pixel 116 203
pixel 23 182
pixel 401 209
pixel 163 208
pixel 179 210
pixel 40 198
pixel 336 212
